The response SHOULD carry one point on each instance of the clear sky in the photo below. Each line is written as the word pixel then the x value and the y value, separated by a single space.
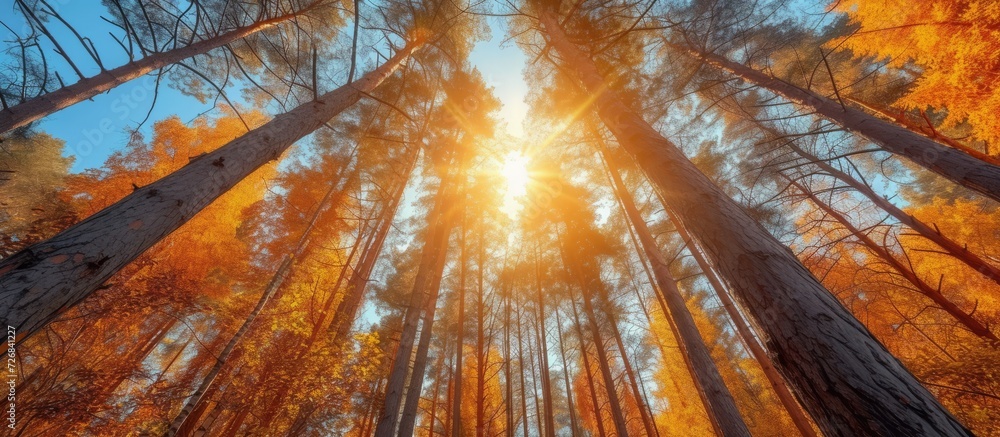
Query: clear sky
pixel 502 67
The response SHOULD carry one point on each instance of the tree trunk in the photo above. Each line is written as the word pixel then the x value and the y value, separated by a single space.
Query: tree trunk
pixel 534 384
pixel 922 286
pixel 423 299
pixel 277 280
pixel 456 406
pixel 927 130
pixel 785 396
pixel 520 369
pixel 719 402
pixel 849 382
pixel 48 277
pixel 589 284
pixel 573 425
pixel 588 371
pixel 416 385
pixel 45 104
pixel 958 251
pixel 666 316
pixel 347 310
pixel 950 163
pixel 508 381
pixel 550 424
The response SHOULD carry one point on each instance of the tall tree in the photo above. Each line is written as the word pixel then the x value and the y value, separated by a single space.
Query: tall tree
pixel 778 293
pixel 950 163
pixel 422 303
pixel 719 403
pixel 154 59
pixel 277 280
pixel 46 278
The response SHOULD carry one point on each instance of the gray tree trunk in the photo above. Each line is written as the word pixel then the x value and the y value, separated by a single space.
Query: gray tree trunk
pixel 46 278
pixel 843 376
pixel 718 401
pixel 48 103
pixel 423 299
pixel 952 164
pixel 785 396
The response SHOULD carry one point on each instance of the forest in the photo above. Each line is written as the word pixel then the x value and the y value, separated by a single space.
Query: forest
pixel 485 218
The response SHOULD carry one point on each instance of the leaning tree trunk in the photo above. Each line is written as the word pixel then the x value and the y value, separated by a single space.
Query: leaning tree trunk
pixel 848 380
pixel 952 164
pixel 277 280
pixel 33 109
pixel 718 401
pixel 934 294
pixel 927 130
pixel 423 295
pixel 43 280
pixel 958 251
pixel 785 396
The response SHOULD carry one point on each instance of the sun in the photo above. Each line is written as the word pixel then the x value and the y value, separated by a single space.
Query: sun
pixel 514 170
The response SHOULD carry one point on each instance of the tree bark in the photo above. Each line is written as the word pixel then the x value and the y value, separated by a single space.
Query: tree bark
pixel 573 425
pixel 456 406
pixel 423 299
pixel 927 130
pixel 784 395
pixel 416 385
pixel 588 371
pixel 46 278
pixel 33 109
pixel 550 424
pixel 718 401
pixel 848 380
pixel 966 319
pixel 953 164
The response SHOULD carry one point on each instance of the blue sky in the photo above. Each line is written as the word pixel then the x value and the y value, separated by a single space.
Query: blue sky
pixel 95 129
pixel 502 67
